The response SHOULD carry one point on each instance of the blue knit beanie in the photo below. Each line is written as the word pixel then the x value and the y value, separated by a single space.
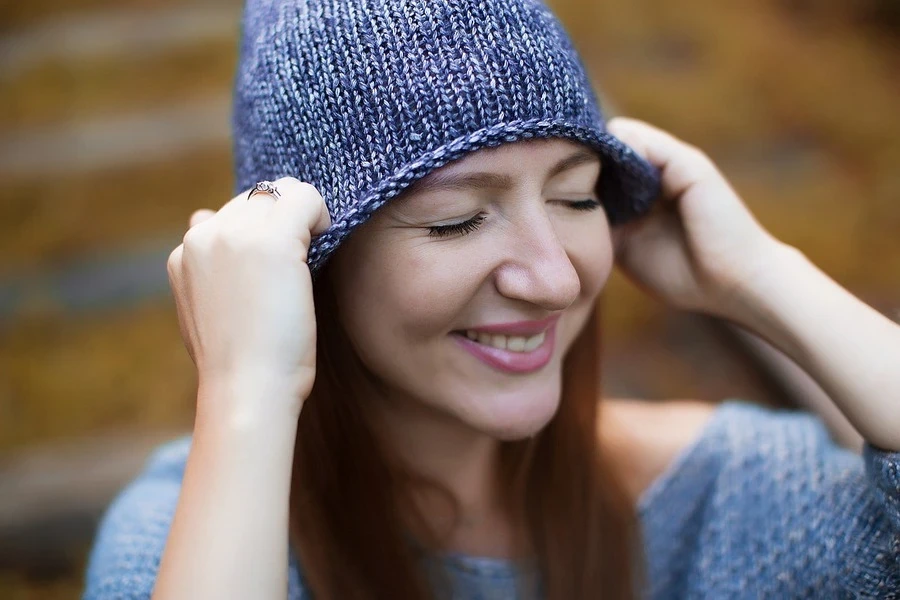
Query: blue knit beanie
pixel 363 97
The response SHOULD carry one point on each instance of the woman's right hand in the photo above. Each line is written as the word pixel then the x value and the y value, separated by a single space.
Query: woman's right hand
pixel 243 292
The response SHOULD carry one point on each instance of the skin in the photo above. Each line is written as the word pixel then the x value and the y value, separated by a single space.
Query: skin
pixel 245 310
pixel 402 291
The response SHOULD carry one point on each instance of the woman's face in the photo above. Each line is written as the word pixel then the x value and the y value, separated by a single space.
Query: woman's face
pixel 509 246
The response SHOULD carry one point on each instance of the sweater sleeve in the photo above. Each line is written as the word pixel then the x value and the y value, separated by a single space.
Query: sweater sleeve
pixel 129 543
pixel 839 508
pixel 791 514
pixel 883 470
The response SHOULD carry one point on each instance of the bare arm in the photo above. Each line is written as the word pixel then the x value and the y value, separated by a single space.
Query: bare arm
pixel 704 251
pixel 229 536
pixel 245 308
pixel 849 348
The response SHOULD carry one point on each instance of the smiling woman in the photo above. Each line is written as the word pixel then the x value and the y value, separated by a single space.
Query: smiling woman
pixel 546 259
pixel 408 305
pixel 399 351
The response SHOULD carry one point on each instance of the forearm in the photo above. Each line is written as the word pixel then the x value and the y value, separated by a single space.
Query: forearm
pixel 849 348
pixel 229 535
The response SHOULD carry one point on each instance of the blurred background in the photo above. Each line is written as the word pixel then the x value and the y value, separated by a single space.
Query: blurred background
pixel 114 128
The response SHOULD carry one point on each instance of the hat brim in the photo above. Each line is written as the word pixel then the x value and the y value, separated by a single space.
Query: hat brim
pixel 628 184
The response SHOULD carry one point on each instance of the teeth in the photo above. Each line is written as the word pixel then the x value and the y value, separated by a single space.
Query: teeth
pixel 515 343
pixel 534 341
pixel 498 341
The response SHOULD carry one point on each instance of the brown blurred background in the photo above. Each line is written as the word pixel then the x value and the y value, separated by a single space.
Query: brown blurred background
pixel 114 128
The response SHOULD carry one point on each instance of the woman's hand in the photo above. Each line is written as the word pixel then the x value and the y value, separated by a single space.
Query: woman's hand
pixel 244 293
pixel 700 248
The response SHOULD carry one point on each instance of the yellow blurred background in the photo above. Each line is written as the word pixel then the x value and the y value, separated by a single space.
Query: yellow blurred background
pixel 114 128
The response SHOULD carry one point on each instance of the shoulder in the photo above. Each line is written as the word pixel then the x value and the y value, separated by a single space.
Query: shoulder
pixel 132 534
pixel 648 440
pixel 768 493
pixel 643 437
pixel 688 452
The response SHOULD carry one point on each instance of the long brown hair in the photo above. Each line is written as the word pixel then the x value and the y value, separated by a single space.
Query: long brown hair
pixel 347 487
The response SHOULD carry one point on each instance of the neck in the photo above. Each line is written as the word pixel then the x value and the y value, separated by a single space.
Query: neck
pixel 463 462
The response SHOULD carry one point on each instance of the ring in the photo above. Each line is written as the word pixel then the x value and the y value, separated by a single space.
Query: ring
pixel 264 187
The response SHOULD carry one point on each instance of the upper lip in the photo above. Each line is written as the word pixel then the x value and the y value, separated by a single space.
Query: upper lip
pixel 527 328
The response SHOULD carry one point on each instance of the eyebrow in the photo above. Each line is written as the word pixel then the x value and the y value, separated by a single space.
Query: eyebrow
pixel 468 181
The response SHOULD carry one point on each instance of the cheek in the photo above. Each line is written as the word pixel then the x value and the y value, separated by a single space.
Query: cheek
pixel 591 253
pixel 393 299
pixel 431 291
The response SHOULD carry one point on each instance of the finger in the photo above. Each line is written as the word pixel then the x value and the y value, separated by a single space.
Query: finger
pixel 174 268
pixel 683 165
pixel 239 207
pixel 301 211
pixel 199 216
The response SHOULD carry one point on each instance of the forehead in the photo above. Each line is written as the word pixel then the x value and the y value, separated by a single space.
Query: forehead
pixel 518 155
pixel 500 166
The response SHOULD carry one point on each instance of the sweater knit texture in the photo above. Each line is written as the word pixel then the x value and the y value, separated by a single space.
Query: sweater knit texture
pixel 761 505
pixel 361 98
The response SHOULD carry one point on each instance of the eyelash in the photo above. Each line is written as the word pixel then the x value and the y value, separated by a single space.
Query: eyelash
pixel 467 227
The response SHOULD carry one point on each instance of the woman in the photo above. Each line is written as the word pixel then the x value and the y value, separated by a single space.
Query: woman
pixel 396 344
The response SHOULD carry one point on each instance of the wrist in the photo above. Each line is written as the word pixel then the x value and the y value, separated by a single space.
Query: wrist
pixel 244 402
pixel 759 290
pixel 770 303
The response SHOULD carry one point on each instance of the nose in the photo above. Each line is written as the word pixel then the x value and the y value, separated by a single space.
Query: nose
pixel 537 268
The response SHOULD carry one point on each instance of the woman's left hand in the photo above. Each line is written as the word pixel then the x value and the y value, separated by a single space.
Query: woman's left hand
pixel 701 247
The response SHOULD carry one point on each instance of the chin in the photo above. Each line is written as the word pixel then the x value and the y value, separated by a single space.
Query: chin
pixel 516 420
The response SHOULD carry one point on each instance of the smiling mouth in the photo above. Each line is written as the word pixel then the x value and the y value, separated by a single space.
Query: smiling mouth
pixel 511 343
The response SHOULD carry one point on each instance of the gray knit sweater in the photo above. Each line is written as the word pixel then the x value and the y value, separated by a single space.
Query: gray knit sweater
pixel 761 505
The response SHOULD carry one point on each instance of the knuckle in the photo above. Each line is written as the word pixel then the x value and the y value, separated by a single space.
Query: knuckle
pixel 309 189
pixel 173 268
pixel 287 185
pixel 697 155
pixel 302 189
pixel 198 216
pixel 174 261
pixel 192 238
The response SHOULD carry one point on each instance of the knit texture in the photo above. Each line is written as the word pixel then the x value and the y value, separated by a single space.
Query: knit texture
pixel 761 505
pixel 363 97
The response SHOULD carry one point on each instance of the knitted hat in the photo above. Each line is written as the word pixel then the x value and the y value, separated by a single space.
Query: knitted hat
pixel 363 97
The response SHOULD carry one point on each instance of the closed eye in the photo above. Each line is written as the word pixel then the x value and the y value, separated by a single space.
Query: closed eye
pixel 467 227
pixel 463 228
pixel 589 204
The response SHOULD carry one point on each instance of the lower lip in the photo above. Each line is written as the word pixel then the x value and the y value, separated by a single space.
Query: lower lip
pixel 508 361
